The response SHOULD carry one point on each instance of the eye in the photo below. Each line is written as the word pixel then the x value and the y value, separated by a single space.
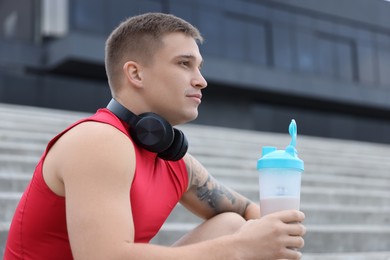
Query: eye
pixel 184 63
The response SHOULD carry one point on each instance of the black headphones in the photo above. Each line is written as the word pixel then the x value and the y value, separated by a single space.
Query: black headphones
pixel 152 132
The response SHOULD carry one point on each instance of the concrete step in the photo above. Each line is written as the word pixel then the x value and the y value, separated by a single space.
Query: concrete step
pixel 27 158
pixel 379 171
pixel 228 175
pixel 4 227
pixel 339 238
pixel 353 239
pixel 35 144
pixel 345 196
pixel 33 151
pixel 38 117
pixel 345 191
pixel 239 145
pixel 8 203
pixel 315 215
pixel 34 116
pixel 197 131
pixel 26 163
pixel 318 213
pixel 17 163
pixel 346 214
pixel 217 133
pixel 21 148
pixel 38 112
pixel 331 145
pixel 346 238
pixel 43 126
pixel 348 256
pixel 365 182
pixel 253 150
pixel 14 182
pixel 310 194
pixel 247 144
pixel 15 135
pixel 327 195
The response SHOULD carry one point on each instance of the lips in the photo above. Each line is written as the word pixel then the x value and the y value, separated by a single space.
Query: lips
pixel 195 95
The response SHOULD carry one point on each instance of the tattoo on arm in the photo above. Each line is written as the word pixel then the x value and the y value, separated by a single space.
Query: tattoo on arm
pixel 208 190
pixel 213 195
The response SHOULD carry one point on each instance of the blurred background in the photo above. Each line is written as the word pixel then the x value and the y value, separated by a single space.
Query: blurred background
pixel 324 63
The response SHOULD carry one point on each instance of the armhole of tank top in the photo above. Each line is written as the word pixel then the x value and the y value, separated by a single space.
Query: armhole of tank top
pixel 184 175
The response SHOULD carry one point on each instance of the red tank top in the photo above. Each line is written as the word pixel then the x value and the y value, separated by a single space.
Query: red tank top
pixel 38 229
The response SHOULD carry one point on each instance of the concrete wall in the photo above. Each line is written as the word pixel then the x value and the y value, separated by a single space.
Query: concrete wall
pixel 324 63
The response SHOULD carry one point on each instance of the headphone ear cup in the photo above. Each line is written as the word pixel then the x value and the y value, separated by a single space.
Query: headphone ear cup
pixel 153 133
pixel 177 149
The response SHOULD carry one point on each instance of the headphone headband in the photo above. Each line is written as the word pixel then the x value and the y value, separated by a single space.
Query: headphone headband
pixel 122 112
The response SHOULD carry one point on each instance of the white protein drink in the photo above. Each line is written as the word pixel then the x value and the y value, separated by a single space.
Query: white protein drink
pixel 274 204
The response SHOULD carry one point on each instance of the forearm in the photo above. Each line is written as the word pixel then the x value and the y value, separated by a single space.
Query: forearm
pixel 219 248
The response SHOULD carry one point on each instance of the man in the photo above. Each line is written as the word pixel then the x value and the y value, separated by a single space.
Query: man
pixel 102 189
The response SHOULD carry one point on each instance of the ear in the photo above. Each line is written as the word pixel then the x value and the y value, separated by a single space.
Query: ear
pixel 133 73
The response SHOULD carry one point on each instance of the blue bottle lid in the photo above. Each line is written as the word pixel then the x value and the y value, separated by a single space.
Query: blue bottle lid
pixel 273 158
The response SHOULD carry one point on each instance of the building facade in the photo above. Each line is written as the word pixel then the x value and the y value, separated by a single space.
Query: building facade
pixel 324 63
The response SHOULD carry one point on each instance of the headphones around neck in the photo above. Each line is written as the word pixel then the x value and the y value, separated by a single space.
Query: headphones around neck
pixel 152 132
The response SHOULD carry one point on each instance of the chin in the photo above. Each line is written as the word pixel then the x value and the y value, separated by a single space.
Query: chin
pixel 187 118
pixel 193 116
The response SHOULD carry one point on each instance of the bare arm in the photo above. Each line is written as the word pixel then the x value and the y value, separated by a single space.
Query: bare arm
pixel 96 165
pixel 206 197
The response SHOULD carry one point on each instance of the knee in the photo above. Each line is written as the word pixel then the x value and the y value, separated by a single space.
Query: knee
pixel 219 225
pixel 231 221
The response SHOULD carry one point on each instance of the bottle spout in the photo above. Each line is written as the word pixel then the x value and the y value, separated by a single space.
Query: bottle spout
pixel 292 129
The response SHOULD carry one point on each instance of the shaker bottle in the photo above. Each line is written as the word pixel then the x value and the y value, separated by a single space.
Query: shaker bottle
pixel 280 176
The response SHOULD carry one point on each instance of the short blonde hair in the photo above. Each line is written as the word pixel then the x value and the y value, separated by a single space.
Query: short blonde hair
pixel 138 38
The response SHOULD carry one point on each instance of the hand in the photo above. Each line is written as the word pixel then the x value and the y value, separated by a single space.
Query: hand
pixel 274 236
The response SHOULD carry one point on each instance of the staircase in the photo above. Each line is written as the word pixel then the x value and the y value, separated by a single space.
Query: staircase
pixel 345 186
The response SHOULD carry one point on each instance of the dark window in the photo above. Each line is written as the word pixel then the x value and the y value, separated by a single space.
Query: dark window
pixel 305 46
pixel 101 17
pixel 384 66
pixel 247 39
pixel 367 58
pixel 123 9
pixel 88 15
pixel 184 11
pixel 336 56
pixel 383 50
pixel 283 46
pixel 210 27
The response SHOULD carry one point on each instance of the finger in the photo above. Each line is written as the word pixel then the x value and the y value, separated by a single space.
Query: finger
pixel 294 242
pixel 289 253
pixel 296 229
pixel 289 216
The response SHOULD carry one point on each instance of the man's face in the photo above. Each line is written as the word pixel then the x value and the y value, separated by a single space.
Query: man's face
pixel 173 82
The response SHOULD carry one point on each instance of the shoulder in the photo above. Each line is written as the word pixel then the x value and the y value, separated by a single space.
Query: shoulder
pixel 93 145
pixel 88 151
pixel 91 134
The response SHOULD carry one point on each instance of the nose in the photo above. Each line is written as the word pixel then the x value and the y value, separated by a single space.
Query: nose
pixel 199 81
